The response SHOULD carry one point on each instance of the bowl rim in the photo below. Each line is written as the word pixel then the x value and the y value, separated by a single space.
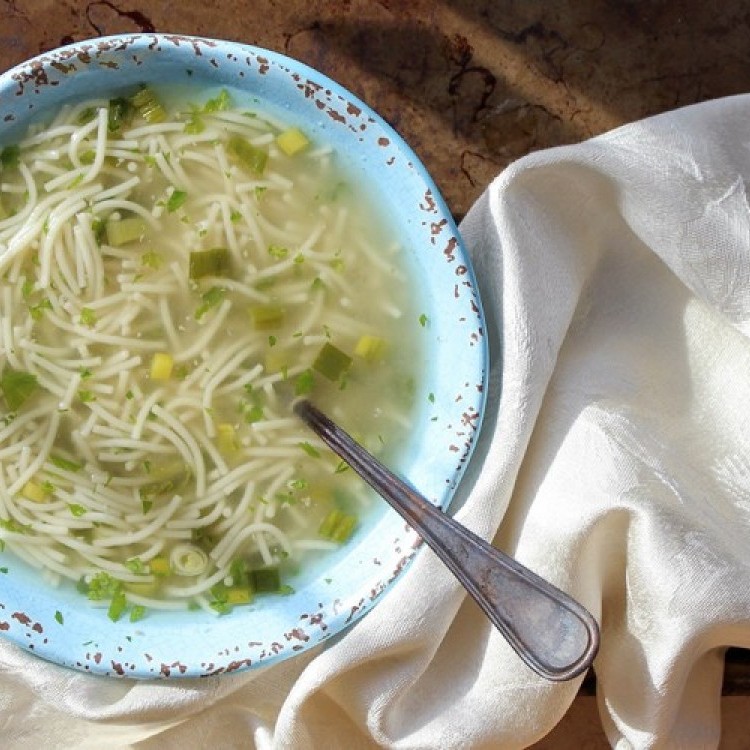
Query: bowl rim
pixel 31 631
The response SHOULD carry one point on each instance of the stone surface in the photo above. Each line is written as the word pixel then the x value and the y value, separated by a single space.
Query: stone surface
pixel 470 84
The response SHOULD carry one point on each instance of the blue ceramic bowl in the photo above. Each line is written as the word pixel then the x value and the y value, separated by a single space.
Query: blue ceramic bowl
pixel 57 624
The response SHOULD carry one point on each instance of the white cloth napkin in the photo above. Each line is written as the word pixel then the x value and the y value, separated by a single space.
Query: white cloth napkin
pixel 614 460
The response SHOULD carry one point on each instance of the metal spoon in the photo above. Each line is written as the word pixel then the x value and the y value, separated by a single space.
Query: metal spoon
pixel 550 631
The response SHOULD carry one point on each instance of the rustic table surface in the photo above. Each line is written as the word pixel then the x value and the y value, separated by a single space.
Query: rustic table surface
pixel 470 84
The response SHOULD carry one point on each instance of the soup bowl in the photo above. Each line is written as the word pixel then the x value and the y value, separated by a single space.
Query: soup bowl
pixel 55 622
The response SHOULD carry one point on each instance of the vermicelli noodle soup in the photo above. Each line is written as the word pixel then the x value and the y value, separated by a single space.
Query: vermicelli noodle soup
pixel 173 277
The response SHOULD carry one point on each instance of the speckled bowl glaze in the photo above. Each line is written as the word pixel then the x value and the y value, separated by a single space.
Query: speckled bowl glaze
pixel 57 624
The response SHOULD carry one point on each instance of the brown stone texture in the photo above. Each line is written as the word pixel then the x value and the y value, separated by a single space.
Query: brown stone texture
pixel 470 84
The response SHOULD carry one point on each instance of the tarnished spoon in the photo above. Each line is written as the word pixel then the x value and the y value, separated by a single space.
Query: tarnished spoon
pixel 550 631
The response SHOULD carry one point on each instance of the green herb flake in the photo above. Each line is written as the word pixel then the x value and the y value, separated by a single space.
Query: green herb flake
pixel 304 383
pixel 341 467
pixel 138 612
pixel 17 387
pixel 101 586
pixel 137 566
pixel 194 125
pixel 210 299
pixel 59 617
pixel 76 510
pixel 253 414
pixel 4 569
pixel 99 229
pixel 36 310
pixel 176 200
pixel 117 606
pixel 311 450
pixel 234 216
pixel 272 341
pixel 431 398
pixel 147 505
pixel 130 395
pixel 10 524
pixel 278 252
pixel 88 317
pixel 86 396
pixel 219 103
pixel 64 463
pixel 423 320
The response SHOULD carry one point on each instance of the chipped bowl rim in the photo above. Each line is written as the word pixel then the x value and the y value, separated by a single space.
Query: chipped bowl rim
pixel 51 623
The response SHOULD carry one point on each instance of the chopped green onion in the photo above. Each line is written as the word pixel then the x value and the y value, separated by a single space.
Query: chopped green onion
pixel 370 348
pixel 123 231
pixel 219 103
pixel 188 560
pixel 64 463
pixel 423 320
pixel 238 571
pixel 151 260
pixel 86 396
pixel 176 200
pixel 86 115
pixel 76 510
pixel 59 617
pixel 120 112
pixel 17 386
pixel 265 580
pixel 266 316
pixel 331 362
pixel 149 106
pixel 35 492
pixel 214 262
pixel 161 366
pixel 249 156
pixel 159 566
pixel 292 141
pixel 10 156
pixel 337 526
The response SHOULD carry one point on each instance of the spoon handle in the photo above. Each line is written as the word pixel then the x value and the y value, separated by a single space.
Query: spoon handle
pixel 550 631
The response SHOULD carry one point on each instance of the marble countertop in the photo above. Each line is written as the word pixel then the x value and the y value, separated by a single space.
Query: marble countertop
pixel 470 84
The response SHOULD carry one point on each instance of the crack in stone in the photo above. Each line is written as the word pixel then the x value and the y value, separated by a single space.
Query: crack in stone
pixel 141 20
